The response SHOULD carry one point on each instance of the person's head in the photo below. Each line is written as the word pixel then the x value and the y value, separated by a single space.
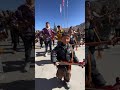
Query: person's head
pixel 71 27
pixel 58 27
pixel 78 30
pixel 87 3
pixel 71 31
pixel 65 38
pixel 30 2
pixel 47 25
pixel 7 11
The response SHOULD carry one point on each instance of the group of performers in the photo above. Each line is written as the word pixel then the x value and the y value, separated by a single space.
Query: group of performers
pixel 98 30
pixel 19 24
pixel 76 37
pixel 63 51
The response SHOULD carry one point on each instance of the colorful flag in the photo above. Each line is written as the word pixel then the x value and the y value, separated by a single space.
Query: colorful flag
pixel 63 3
pixel 60 8
pixel 67 3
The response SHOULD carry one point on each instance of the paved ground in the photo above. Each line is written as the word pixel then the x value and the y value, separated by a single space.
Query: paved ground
pixel 14 78
pixel 109 65
pixel 45 72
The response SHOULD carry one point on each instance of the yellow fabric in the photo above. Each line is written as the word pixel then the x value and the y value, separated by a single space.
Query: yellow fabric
pixel 59 35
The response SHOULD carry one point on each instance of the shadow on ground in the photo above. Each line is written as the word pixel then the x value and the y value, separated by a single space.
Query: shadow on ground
pixel 43 62
pixel 40 54
pixel 5 45
pixel 10 50
pixel 48 84
pixel 11 66
pixel 19 85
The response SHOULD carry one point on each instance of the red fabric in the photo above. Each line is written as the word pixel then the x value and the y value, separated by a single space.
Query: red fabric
pixel 63 3
pixel 53 36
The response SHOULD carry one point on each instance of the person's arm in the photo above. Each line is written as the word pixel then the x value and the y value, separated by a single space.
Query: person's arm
pixel 76 39
pixel 54 56
pixel 75 59
pixel 44 33
pixel 52 31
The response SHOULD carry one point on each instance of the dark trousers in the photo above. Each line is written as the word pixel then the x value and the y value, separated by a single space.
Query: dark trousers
pixel 97 78
pixel 41 42
pixel 73 46
pixel 14 37
pixel 117 32
pixel 53 42
pixel 6 30
pixel 48 43
pixel 1 66
pixel 27 40
pixel 63 73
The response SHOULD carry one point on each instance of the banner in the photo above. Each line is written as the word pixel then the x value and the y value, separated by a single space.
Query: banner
pixel 60 8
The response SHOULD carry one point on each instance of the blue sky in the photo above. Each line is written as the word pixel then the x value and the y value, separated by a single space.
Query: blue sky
pixel 10 4
pixel 49 10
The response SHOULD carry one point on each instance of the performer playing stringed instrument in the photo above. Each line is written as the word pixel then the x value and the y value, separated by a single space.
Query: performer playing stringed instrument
pixel 65 55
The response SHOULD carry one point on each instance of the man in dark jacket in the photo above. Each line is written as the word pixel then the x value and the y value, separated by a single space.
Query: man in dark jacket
pixel 25 16
pixel 14 32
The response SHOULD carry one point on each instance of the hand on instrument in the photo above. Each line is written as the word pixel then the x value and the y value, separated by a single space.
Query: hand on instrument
pixel 82 64
pixel 56 63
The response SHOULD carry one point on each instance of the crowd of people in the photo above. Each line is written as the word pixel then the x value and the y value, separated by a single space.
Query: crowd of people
pixel 19 24
pixel 63 51
pixel 49 38
pixel 99 26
